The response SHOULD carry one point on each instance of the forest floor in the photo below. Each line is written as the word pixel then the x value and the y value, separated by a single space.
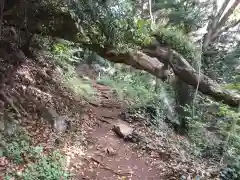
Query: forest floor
pixel 107 156
pixel 93 149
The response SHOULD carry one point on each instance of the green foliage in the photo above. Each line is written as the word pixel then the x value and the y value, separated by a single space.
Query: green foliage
pixel 185 15
pixel 176 40
pixel 133 87
pixel 116 26
pixel 19 148
pixel 232 171
pixel 215 133
pixel 204 143
pixel 63 57
pixel 233 86
pixel 138 89
pixel 225 110
pixel 47 167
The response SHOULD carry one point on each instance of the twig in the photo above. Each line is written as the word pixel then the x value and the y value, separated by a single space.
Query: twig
pixel 94 104
pixel 103 120
pixel 109 117
pixel 113 171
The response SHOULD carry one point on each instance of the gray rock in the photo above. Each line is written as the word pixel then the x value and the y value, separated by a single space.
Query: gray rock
pixel 10 128
pixel 134 137
pixel 49 114
pixel 59 123
pixel 122 130
pixel 213 108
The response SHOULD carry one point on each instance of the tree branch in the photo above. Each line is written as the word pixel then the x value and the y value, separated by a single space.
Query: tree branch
pixel 218 22
pixel 182 69
pixel 225 29
pixel 227 14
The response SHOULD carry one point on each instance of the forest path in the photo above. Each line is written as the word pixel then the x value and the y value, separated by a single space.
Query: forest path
pixel 108 156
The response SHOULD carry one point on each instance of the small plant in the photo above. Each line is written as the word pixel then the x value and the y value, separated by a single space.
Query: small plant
pixel 39 165
pixel 17 147
pixel 47 167
pixel 62 54
pixel 132 86
pixel 232 171
pixel 177 40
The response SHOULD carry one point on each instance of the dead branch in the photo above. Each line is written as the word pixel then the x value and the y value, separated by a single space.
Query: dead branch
pixel 113 171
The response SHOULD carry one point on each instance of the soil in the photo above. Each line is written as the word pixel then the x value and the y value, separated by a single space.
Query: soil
pixel 125 162
pixel 93 151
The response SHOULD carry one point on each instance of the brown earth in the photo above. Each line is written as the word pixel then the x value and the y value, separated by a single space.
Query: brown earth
pixel 110 157
pixel 92 149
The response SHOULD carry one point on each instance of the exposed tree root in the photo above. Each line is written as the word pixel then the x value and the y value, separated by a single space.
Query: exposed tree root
pixel 10 102
pixel 113 171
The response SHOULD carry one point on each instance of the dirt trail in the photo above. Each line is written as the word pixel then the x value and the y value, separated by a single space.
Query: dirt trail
pixel 92 149
pixel 108 156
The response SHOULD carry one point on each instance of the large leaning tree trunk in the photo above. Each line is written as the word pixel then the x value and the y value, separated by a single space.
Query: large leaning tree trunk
pixel 150 59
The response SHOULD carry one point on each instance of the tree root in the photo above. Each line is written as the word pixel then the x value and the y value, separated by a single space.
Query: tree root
pixel 113 171
pixel 10 102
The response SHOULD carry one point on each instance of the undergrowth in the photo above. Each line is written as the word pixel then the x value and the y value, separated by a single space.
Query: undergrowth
pixel 37 164
pixel 177 40
pixel 63 57
pixel 215 134
pixel 62 52
pixel 138 89
pixel 134 87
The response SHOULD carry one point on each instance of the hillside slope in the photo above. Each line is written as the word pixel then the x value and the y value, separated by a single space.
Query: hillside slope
pixel 91 147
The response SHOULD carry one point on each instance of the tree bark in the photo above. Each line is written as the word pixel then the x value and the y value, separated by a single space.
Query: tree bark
pixel 181 68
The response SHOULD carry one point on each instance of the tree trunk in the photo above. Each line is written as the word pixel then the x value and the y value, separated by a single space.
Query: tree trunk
pixel 181 68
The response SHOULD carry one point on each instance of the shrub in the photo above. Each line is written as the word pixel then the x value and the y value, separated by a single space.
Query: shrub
pixel 17 147
pixel 62 54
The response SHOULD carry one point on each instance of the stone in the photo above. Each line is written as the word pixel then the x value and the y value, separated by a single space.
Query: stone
pixel 213 108
pixel 110 151
pixel 61 124
pixel 134 137
pixel 10 128
pixel 122 130
pixel 49 114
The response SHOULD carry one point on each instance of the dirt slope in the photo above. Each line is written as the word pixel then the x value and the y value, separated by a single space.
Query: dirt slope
pixel 110 157
pixel 92 149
